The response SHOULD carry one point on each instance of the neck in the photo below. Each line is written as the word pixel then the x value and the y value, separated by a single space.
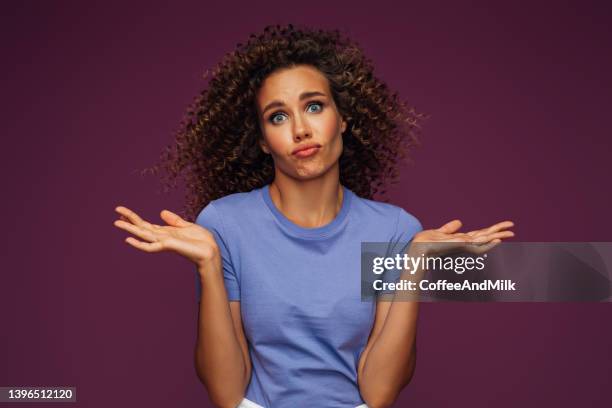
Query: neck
pixel 308 203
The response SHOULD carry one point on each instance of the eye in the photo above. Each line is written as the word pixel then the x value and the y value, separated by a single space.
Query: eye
pixel 276 117
pixel 313 107
pixel 318 105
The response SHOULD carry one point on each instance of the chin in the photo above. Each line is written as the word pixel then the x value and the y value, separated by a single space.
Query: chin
pixel 312 171
pixel 305 175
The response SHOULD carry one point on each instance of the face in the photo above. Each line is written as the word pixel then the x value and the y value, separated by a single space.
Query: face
pixel 296 111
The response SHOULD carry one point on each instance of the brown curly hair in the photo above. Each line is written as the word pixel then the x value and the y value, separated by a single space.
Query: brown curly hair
pixel 217 150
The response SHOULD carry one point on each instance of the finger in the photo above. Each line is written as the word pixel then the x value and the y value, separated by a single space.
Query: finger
pixel 131 215
pixel 500 226
pixel 450 227
pixel 487 247
pixel 173 219
pixel 479 232
pixel 136 230
pixel 491 229
pixel 491 237
pixel 481 249
pixel 144 246
pixel 457 237
pixel 502 234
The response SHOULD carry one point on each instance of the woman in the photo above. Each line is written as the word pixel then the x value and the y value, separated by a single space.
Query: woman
pixel 284 151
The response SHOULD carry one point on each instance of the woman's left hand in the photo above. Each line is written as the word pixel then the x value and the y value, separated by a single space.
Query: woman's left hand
pixel 447 238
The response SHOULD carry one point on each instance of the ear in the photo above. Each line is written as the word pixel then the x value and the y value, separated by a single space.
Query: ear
pixel 264 146
pixel 343 127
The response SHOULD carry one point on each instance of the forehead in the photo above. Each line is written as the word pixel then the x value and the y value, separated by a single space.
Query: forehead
pixel 288 83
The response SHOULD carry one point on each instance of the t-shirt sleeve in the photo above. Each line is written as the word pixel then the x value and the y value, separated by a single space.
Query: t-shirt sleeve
pixel 211 219
pixel 407 226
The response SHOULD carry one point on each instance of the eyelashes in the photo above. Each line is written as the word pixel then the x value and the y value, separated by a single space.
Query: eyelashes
pixel 279 114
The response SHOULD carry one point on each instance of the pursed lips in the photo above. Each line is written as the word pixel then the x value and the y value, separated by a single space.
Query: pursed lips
pixel 306 147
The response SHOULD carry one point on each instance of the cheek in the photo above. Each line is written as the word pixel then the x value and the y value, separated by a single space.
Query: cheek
pixel 328 126
pixel 277 138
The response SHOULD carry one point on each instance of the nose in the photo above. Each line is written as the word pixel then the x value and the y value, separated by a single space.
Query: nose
pixel 301 128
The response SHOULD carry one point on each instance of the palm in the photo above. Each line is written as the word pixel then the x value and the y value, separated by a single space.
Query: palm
pixel 188 239
pixel 447 238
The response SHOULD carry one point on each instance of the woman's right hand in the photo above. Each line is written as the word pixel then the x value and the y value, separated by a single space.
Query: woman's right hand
pixel 190 240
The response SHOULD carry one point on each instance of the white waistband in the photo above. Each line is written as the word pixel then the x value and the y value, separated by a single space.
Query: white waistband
pixel 245 403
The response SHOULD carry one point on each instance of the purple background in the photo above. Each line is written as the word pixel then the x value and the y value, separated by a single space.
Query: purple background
pixel 519 99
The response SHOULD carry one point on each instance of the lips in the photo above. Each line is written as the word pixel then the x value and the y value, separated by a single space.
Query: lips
pixel 308 148
pixel 307 152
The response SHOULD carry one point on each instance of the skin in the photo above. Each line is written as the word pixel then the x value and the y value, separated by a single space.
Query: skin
pixel 305 190
pixel 308 192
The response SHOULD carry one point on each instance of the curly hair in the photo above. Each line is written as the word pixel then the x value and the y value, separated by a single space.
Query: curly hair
pixel 216 148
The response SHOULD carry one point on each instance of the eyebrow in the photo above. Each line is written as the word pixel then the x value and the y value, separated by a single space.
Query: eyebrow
pixel 304 95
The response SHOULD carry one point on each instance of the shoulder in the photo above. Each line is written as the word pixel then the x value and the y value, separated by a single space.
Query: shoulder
pixel 386 213
pixel 230 206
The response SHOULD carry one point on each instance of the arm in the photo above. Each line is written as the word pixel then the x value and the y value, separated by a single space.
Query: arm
pixel 389 359
pixel 221 355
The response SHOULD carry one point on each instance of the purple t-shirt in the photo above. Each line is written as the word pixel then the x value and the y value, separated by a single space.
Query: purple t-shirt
pixel 300 292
